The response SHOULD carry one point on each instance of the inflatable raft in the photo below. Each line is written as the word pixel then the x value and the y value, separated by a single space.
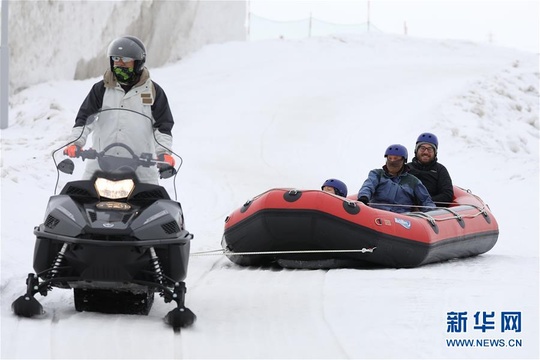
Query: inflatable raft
pixel 315 229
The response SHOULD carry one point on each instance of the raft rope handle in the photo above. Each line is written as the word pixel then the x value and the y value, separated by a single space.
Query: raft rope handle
pixel 294 191
pixel 227 252
pixel 456 215
pixel 425 216
pixel 481 211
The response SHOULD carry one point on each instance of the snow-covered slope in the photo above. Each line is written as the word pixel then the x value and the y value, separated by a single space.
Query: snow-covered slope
pixel 253 116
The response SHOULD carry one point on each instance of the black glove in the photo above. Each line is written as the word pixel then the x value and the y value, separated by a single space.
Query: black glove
pixel 363 199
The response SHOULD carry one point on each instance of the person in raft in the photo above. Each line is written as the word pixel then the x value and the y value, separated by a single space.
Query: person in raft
pixel 393 188
pixel 433 174
pixel 335 186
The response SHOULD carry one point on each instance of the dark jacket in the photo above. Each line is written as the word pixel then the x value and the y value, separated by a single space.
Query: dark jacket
pixel 405 190
pixel 436 179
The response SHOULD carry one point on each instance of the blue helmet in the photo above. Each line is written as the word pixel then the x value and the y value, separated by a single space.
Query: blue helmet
pixel 428 138
pixel 339 186
pixel 398 150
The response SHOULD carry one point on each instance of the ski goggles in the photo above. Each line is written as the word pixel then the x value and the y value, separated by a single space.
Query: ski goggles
pixel 123 59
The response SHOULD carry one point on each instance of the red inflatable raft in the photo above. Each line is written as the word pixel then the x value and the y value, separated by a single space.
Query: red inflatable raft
pixel 315 229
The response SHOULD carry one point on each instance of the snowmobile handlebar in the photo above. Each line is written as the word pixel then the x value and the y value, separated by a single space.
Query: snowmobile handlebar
pixel 145 159
pixel 87 154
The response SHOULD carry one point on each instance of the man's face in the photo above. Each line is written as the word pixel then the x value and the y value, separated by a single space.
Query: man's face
pixel 329 189
pixel 394 162
pixel 123 68
pixel 425 153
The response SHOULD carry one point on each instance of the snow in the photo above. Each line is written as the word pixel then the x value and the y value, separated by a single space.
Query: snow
pixel 284 113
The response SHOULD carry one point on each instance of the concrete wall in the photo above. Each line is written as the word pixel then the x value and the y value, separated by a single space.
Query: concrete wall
pixel 66 40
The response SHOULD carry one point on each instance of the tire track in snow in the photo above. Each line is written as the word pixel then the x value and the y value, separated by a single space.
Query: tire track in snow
pixel 260 307
pixel 327 318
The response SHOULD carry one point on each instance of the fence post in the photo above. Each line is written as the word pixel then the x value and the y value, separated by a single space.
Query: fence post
pixel 368 16
pixel 310 17
pixel 4 69
pixel 248 25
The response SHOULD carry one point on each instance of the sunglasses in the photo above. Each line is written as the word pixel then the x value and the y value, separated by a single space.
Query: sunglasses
pixel 123 59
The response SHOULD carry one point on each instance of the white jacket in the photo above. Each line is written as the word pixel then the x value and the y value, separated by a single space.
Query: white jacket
pixel 136 131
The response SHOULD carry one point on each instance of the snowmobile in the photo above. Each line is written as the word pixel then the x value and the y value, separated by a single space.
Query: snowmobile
pixel 113 239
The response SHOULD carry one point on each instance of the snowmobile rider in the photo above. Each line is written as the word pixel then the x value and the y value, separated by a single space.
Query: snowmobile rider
pixel 335 186
pixel 126 84
pixel 393 188
pixel 433 174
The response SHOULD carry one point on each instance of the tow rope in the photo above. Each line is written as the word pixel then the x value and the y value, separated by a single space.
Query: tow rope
pixel 219 252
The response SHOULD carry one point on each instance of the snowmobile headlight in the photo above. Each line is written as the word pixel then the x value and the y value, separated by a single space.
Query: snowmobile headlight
pixel 114 189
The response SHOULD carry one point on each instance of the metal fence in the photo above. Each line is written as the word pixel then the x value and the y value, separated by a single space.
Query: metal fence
pixel 260 28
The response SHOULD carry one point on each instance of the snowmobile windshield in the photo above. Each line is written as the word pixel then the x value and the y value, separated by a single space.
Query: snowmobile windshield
pixel 119 144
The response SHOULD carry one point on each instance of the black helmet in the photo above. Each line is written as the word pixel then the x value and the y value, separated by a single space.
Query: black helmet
pixel 128 46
